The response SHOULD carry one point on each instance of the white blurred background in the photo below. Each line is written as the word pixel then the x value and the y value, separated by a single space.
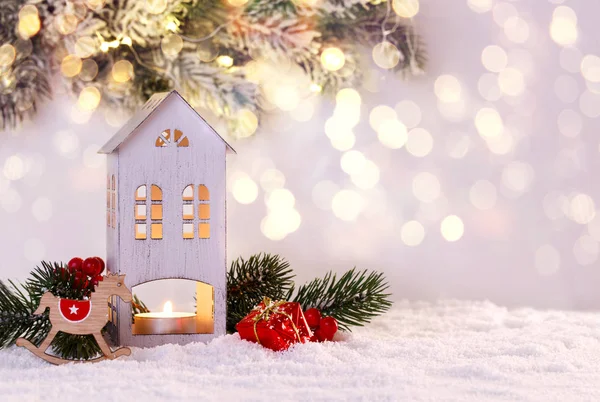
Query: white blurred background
pixel 475 180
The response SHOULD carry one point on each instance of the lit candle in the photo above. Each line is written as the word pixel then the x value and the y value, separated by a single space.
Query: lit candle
pixel 164 322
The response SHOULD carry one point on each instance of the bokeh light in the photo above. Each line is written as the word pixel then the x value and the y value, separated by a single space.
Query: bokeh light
pixel 589 104
pixel 225 61
pixel 323 193
pixel 570 59
pixel 419 142
pixel 406 8
pixel 156 6
pixel 122 71
pixel 272 179
pixel 244 189
pixel 66 143
pixel 409 113
pixel 89 70
pixel 386 55
pixel 452 228
pixel 511 82
pixel 488 122
pixel 488 87
pixel 85 46
pixel 367 177
pixel 280 198
pixel 426 187
pixel 171 45
pixel 333 59
pixel 379 114
pixel 14 168
pixel 566 88
pixel 494 58
pixel 590 68
pixel 516 29
pixel 563 28
pixel 66 23
pixel 247 123
pixel 352 162
pixel 392 134
pixel 7 55
pixel 517 177
pixel 586 250
pixel 570 123
pixel 483 195
pixel 41 209
pixel 70 66
pixel 347 205
pixel 480 6
pixel 447 88
pixel 89 98
pixel 412 233
pixel 582 209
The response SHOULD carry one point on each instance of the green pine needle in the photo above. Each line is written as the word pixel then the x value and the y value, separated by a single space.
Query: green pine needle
pixel 353 300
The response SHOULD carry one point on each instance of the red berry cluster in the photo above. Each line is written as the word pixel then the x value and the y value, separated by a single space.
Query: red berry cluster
pixel 86 271
pixel 323 328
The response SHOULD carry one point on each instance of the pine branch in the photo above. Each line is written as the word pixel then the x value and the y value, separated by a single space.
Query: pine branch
pixel 353 300
pixel 248 281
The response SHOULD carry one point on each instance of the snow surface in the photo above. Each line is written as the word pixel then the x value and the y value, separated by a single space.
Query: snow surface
pixel 450 351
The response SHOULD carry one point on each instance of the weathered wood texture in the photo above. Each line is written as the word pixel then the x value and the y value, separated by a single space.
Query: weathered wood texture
pixel 140 162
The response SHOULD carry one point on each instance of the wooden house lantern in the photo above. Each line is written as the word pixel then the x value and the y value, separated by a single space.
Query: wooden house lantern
pixel 166 219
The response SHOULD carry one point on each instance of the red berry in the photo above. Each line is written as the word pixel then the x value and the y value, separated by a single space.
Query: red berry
pixel 313 317
pixel 91 266
pixel 319 336
pixel 75 264
pixel 97 279
pixel 101 262
pixel 79 280
pixel 328 327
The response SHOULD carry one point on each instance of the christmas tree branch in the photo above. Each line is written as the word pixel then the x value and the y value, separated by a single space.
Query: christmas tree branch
pixel 353 300
pixel 248 281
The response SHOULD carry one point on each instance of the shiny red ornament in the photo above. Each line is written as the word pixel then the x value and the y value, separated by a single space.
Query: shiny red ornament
pixel 75 264
pixel 313 317
pixel 80 281
pixel 102 265
pixel 97 279
pixel 319 336
pixel 91 267
pixel 328 327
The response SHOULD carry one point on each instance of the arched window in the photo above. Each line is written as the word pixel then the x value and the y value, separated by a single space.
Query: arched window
pixel 156 212
pixel 140 213
pixel 164 139
pixel 189 217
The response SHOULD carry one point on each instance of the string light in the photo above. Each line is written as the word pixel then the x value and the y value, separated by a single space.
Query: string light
pixel 89 98
pixel 156 6
pixel 386 55
pixel 406 8
pixel 70 66
pixel 122 71
pixel 333 59
pixel 225 61
pixel 171 45
pixel 7 55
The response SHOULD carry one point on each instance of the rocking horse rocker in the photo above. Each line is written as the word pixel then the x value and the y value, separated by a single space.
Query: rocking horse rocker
pixel 81 317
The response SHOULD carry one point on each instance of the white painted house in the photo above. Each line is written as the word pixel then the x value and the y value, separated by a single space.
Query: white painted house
pixel 166 213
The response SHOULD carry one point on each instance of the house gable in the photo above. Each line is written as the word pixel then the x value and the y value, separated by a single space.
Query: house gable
pixel 153 106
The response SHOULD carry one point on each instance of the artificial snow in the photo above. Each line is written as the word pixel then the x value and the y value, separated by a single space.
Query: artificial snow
pixel 450 351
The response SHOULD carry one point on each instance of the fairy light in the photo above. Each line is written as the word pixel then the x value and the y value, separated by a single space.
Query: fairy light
pixel 7 55
pixel 29 21
pixel 488 122
pixel 70 66
pixel 563 28
pixel 386 55
pixel 406 8
pixel 452 228
pixel 447 88
pixel 89 98
pixel 247 123
pixel 89 70
pixel 171 45
pixel 494 58
pixel 392 134
pixel 419 142
pixel 315 88
pixel 582 209
pixel 122 71
pixel 225 61
pixel 333 59
pixel 244 189
pixel 66 23
pixel 156 6
pixel 412 233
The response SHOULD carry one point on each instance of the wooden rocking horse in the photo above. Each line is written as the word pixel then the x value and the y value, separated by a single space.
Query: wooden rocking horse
pixel 81 317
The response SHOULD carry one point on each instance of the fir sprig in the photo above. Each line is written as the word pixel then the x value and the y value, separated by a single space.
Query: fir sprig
pixel 353 300
pixel 248 281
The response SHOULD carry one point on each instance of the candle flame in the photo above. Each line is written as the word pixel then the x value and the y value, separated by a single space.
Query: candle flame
pixel 168 307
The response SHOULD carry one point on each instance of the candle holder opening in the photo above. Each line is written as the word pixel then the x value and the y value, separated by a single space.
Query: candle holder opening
pixel 173 306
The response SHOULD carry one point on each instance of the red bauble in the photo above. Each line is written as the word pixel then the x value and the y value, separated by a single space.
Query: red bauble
pixel 328 327
pixel 79 280
pixel 97 279
pixel 91 266
pixel 313 317
pixel 102 265
pixel 75 264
